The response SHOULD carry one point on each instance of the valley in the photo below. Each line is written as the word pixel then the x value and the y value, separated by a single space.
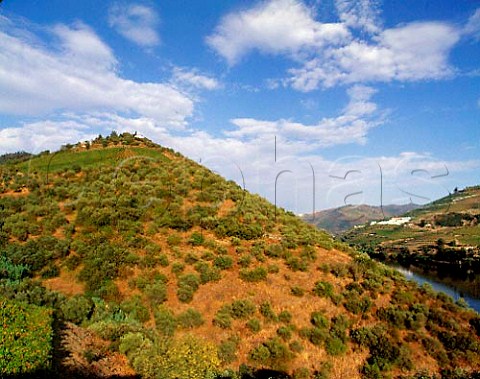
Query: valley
pixel 441 240
pixel 340 220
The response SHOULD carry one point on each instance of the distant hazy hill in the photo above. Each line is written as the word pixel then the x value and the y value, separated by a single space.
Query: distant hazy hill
pixel 338 220
pixel 154 265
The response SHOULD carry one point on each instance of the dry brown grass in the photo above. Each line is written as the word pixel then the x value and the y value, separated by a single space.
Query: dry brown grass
pixel 276 289
pixel 24 191
pixel 66 283
pixel 226 207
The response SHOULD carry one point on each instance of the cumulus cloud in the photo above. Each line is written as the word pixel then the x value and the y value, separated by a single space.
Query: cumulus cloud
pixel 192 78
pixel 359 14
pixel 43 135
pixel 407 177
pixel 355 50
pixel 352 126
pixel 252 159
pixel 78 73
pixel 273 27
pixel 136 23
pixel 472 28
pixel 80 44
pixel 411 52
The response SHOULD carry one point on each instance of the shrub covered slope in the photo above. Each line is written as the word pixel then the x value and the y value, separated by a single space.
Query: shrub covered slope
pixel 187 275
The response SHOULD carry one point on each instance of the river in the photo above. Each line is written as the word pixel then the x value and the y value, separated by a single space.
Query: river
pixel 451 291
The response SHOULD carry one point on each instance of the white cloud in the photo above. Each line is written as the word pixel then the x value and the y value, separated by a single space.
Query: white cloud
pixel 192 78
pixel 356 50
pixel 408 176
pixel 360 14
pixel 473 25
pixel 80 45
pixel 360 104
pixel 274 27
pixel 415 51
pixel 352 126
pixel 254 157
pixel 421 49
pixel 51 133
pixel 79 74
pixel 43 135
pixel 136 23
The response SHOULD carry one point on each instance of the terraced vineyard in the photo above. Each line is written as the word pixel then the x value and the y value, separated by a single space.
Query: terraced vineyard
pixel 442 237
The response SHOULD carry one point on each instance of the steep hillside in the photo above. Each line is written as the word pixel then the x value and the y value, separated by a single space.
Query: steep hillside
pixel 135 259
pixel 341 219
pixel 441 237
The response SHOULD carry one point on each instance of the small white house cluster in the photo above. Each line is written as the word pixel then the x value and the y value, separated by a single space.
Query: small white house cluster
pixel 392 221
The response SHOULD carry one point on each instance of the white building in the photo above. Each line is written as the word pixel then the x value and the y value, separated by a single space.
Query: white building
pixel 392 221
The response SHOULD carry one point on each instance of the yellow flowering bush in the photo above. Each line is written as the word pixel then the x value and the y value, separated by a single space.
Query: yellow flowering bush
pixel 188 358
pixel 25 338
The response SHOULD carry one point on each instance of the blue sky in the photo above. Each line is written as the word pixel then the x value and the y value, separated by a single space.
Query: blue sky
pixel 347 89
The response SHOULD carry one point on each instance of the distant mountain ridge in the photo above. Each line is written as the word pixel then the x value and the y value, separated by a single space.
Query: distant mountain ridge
pixel 341 219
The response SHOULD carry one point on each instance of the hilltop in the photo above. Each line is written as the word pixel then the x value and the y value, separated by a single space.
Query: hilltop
pixel 121 257
pixel 341 219
pixel 442 237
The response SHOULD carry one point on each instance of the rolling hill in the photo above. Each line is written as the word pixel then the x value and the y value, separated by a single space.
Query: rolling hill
pixel 341 219
pixel 120 258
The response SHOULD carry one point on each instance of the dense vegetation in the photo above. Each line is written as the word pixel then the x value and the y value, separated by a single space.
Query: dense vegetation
pixel 15 157
pixel 190 276
pixel 25 342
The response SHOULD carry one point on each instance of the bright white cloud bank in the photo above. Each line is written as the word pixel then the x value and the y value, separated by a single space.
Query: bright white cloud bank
pixel 275 27
pixel 71 87
pixel 416 51
pixel 351 126
pixel 329 53
pixel 79 76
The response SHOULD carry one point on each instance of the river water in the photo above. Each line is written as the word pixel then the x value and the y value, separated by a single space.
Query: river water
pixel 451 291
